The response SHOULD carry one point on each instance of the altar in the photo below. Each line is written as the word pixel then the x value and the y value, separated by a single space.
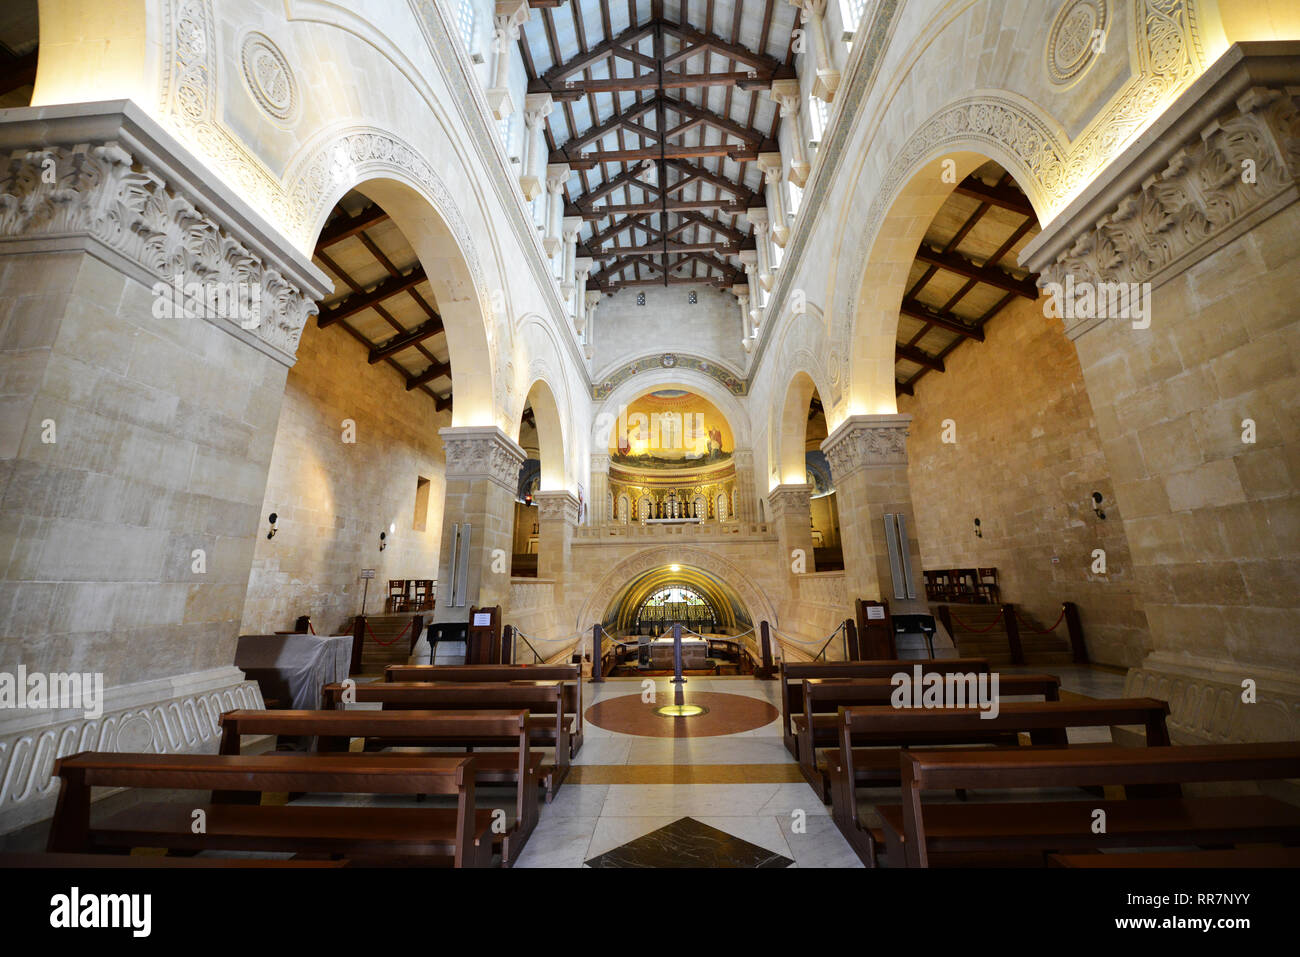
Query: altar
pixel 695 653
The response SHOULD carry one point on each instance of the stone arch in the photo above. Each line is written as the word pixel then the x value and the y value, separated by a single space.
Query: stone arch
pixel 606 414
pixel 755 601
pixel 793 429
pixel 550 435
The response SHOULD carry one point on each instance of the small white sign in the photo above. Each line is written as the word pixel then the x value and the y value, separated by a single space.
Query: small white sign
pixel 875 612
pixel 483 619
pixel 367 573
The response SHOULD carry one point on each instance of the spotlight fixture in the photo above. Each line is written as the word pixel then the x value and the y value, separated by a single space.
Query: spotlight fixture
pixel 382 543
pixel 1096 505
pixel 979 533
pixel 272 518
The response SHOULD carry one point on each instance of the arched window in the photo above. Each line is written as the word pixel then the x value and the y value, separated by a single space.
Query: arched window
pixel 677 604
pixel 465 23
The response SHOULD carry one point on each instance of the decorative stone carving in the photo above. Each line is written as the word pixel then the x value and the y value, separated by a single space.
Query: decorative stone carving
pixel 1181 213
pixel 790 500
pixel 180 723
pixel 482 452
pixel 98 189
pixel 556 506
pixel 1072 43
pixel 730 380
pixel 268 77
pixel 867 441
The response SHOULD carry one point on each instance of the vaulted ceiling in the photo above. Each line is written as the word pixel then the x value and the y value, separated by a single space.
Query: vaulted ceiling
pixel 661 112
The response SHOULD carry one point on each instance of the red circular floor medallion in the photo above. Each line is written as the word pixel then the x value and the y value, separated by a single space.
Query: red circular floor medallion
pixel 723 714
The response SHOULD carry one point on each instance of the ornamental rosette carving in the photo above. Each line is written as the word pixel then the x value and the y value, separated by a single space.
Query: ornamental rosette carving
pixel 101 191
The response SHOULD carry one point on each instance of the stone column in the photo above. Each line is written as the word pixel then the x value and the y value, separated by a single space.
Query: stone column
pixel 600 489
pixel 787 96
pixel 827 80
pixel 792 517
pixel 537 107
pixel 557 517
pixel 749 259
pixel 482 478
pixel 746 507
pixel 570 226
pixel 581 270
pixel 593 297
pixel 868 460
pixel 1175 276
pixel 757 215
pixel 770 164
pixel 741 292
pixel 149 324
pixel 509 15
pixel 557 174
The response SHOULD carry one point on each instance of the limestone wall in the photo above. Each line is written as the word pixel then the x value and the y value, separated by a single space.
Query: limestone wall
pixel 333 498
pixel 623 331
pixel 1026 461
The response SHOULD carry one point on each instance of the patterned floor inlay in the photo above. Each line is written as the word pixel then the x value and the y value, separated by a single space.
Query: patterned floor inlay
pixel 727 714
pixel 688 843
pixel 683 774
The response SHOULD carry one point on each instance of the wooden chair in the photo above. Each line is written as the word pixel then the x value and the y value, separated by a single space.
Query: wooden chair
pixel 397 597
pixel 421 594
pixel 987 586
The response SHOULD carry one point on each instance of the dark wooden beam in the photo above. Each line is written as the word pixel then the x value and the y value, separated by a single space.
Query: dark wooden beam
pixel 913 354
pixel 944 320
pixel 593 57
pixel 756 62
pixel 670 206
pixel 435 371
pixel 424 330
pixel 1004 196
pixel 666 248
pixel 341 227
pixel 358 301
pixel 577 89
pixel 989 275
pixel 668 151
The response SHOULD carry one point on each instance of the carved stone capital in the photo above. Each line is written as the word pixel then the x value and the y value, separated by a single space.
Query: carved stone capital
pixel 482 452
pixel 599 463
pixel 790 502
pixel 205 259
pixel 1223 157
pixel 556 506
pixel 867 441
pixel 743 460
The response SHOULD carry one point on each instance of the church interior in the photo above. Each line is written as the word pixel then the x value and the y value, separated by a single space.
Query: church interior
pixel 651 434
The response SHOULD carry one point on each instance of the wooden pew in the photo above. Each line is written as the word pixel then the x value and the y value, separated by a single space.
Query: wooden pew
pixel 494 673
pixel 919 834
pixel 871 740
pixel 459 837
pixel 1168 860
pixel 819 724
pixel 792 675
pixel 548 723
pixel 334 730
pixel 148 861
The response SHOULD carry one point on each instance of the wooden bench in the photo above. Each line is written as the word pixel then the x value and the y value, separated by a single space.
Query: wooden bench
pixel 146 861
pixel 496 673
pixel 459 837
pixel 918 833
pixel 819 724
pixel 792 676
pixel 1232 857
pixel 548 723
pixel 872 738
pixel 333 731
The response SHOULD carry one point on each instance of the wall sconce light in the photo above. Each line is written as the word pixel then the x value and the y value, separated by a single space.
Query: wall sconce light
pixel 383 544
pixel 979 533
pixel 1096 505
pixel 272 517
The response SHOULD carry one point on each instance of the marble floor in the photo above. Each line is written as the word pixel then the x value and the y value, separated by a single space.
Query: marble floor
pixel 734 799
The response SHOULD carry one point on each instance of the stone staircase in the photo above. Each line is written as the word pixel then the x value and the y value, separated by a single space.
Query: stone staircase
pixel 979 632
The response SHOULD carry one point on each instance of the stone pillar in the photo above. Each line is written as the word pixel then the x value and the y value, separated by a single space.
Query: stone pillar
pixel 557 174
pixel 741 292
pixel 787 96
pixel 770 164
pixel 600 489
pixel 592 300
pixel 508 17
pixel 868 460
pixel 757 215
pixel 570 226
pixel 746 507
pixel 1175 277
pixel 827 80
pixel 792 517
pixel 537 107
pixel 581 270
pixel 749 259
pixel 482 478
pixel 149 324
pixel 557 517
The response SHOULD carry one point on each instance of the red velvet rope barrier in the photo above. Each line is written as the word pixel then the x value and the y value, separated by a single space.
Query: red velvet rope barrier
pixel 1036 631
pixel 975 631
pixel 385 644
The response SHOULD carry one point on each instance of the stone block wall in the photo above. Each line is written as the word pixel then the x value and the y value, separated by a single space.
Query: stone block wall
pixel 1026 460
pixel 333 498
